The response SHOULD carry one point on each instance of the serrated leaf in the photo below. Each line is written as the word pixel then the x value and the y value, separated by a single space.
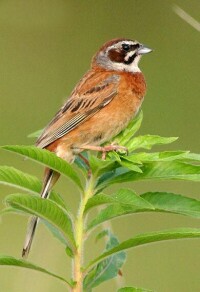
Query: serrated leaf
pixel 148 141
pixel 11 261
pixel 128 197
pixel 130 165
pixel 146 238
pixel 97 200
pixel 114 156
pixel 123 137
pixel 144 157
pixel 82 165
pixel 45 209
pixel 193 156
pixel 114 211
pixel 173 170
pixel 171 155
pixel 47 158
pixel 173 203
pixel 15 178
pixel 104 180
pixel 170 170
pixel 122 196
pixel 106 269
pixel 132 289
pixel 99 166
pixel 159 202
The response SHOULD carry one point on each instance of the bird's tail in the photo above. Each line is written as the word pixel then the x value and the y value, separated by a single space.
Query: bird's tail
pixel 49 180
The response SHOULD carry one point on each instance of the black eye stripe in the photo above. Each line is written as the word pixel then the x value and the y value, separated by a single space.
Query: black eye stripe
pixel 129 47
pixel 126 47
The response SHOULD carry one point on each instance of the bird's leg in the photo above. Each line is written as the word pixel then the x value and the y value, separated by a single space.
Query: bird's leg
pixel 84 159
pixel 87 163
pixel 105 149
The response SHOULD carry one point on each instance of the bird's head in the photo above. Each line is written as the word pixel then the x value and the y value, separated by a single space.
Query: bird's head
pixel 120 55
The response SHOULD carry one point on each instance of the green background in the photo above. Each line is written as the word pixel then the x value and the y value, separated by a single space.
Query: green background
pixel 45 48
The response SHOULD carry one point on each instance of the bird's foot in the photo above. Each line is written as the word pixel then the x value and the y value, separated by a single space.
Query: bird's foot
pixel 105 149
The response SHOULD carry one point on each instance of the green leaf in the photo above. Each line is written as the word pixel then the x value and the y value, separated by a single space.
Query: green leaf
pixel 11 261
pixel 132 289
pixel 193 157
pixel 45 209
pixel 144 157
pixel 122 196
pixel 69 252
pixel 47 158
pixel 114 211
pixel 172 170
pixel 97 200
pixel 130 165
pixel 103 233
pixel 15 178
pixel 123 137
pixel 35 134
pixel 81 164
pixel 148 141
pixel 106 269
pixel 56 233
pixel 148 238
pixel 158 202
pixel 9 210
pixel 99 166
pixel 173 203
pixel 104 180
pixel 168 155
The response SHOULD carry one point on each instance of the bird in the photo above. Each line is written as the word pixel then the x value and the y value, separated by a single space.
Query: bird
pixel 101 105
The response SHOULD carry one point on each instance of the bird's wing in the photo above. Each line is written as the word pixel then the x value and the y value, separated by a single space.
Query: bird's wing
pixel 81 106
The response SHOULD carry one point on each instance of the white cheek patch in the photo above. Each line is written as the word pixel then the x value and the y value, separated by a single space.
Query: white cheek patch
pixel 128 68
pixel 133 67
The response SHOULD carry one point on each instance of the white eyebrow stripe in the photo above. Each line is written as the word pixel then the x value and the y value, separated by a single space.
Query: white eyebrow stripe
pixel 119 44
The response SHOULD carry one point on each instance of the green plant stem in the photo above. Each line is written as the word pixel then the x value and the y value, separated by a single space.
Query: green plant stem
pixel 79 236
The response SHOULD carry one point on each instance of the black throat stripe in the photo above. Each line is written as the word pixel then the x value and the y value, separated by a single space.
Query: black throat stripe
pixel 130 59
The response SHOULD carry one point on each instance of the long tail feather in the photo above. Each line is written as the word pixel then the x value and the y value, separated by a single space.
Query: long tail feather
pixel 50 179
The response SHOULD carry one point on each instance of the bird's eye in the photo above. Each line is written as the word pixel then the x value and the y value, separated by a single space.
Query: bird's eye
pixel 125 47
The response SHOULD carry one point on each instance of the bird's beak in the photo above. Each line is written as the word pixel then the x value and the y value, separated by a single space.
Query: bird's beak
pixel 143 50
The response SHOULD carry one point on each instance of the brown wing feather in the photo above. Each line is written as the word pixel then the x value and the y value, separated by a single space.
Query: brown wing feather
pixel 80 107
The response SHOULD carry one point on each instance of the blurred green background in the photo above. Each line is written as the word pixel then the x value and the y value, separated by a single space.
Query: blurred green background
pixel 45 48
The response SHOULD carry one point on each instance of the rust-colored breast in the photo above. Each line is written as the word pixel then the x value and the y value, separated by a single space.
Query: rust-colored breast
pixel 136 83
